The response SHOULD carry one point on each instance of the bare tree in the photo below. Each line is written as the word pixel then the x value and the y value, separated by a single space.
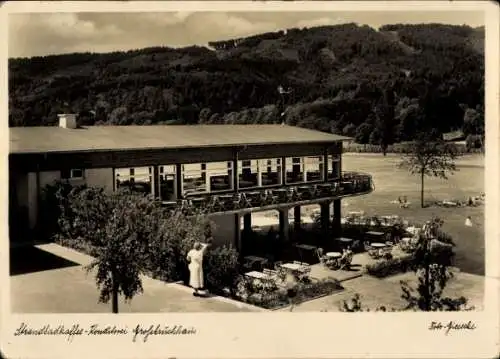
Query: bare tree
pixel 428 156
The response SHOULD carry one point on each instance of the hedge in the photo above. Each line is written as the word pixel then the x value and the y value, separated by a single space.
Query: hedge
pixel 397 148
pixel 276 297
pixel 388 267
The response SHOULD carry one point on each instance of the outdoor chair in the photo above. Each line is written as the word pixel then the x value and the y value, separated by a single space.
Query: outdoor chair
pixel 215 204
pixel 320 255
pixel 244 202
pixel 271 198
pixel 406 247
pixel 305 193
pixel 345 262
pixel 332 263
pixel 248 265
pixel 270 272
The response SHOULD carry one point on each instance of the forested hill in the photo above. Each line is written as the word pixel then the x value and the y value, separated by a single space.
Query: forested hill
pixel 376 85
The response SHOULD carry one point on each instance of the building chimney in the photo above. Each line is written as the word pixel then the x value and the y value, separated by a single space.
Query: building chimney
pixel 67 120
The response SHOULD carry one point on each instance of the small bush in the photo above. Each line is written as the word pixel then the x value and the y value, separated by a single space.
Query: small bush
pixel 221 269
pixel 389 267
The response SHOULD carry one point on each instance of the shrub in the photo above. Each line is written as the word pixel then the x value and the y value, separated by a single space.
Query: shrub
pixel 221 269
pixel 54 207
pixel 276 297
pixel 389 267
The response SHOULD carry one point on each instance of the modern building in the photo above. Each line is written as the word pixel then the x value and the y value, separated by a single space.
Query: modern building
pixel 230 171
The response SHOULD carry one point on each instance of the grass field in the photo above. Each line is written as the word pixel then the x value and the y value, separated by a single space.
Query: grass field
pixel 392 182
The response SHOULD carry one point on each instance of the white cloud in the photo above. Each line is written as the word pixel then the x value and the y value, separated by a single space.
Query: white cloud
pixel 323 21
pixel 39 34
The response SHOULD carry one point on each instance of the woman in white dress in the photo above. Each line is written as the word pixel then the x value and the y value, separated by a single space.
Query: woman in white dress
pixel 195 259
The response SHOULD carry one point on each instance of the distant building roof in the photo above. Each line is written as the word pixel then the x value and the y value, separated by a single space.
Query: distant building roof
pixel 102 138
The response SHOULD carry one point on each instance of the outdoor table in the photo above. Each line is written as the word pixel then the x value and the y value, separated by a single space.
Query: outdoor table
pixel 256 258
pixel 256 229
pixel 254 194
pixel 324 185
pixel 251 260
pixel 374 233
pixel 344 240
pixel 356 213
pixel 307 247
pixel 334 254
pixel 257 275
pixel 378 245
pixel 304 247
pixel 226 197
pixel 169 203
pixel 292 266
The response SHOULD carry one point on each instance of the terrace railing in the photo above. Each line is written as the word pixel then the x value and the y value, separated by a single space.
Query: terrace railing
pixel 349 184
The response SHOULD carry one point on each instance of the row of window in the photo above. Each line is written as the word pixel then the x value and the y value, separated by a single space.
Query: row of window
pixel 218 176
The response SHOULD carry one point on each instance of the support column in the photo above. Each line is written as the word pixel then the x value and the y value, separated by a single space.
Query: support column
pixel 283 171
pixel 235 171
pixel 297 217
pixel 336 217
pixel 33 199
pixel 237 234
pixel 284 225
pixel 325 218
pixel 247 222
pixel 325 165
pixel 156 182
pixel 178 181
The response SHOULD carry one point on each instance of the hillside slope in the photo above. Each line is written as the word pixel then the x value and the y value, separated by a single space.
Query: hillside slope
pixel 343 77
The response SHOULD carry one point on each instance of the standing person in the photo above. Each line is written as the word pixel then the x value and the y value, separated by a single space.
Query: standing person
pixel 468 221
pixel 195 259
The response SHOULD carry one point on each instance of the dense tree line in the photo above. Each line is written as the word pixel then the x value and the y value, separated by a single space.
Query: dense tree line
pixel 377 86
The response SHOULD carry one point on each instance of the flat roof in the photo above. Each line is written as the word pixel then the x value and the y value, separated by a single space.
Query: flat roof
pixel 116 138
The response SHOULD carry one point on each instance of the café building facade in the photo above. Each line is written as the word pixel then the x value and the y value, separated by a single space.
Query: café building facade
pixel 229 171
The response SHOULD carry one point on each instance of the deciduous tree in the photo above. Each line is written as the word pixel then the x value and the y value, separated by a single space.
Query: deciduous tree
pixel 428 156
pixel 433 258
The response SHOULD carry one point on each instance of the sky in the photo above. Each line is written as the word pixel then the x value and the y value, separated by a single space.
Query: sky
pixel 39 34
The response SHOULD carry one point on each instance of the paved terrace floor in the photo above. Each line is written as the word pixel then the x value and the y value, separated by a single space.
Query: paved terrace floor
pixel 65 287
pixel 69 289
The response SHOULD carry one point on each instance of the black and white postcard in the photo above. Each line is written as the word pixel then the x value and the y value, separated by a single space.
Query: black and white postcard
pixel 250 179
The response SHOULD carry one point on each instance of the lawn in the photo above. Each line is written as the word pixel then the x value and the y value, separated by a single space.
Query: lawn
pixel 392 182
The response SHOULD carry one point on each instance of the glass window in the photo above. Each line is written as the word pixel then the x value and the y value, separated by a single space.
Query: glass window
pixel 138 179
pixel 294 170
pixel 334 167
pixel 167 180
pixel 248 173
pixel 270 171
pixel 314 168
pixel 74 173
pixel 220 175
pixel 194 178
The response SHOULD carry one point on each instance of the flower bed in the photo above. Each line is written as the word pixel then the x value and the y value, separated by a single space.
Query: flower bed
pixel 270 296
pixel 388 267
